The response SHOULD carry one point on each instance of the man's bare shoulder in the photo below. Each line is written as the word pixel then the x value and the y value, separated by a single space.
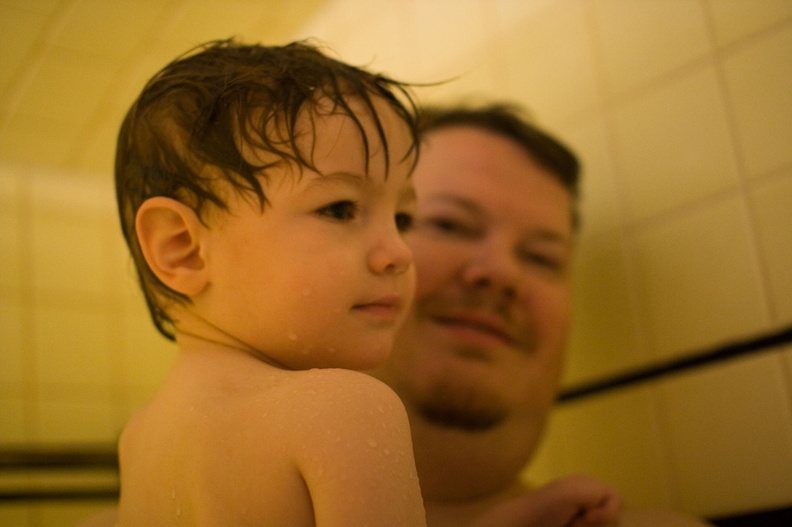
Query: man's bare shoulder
pixel 659 518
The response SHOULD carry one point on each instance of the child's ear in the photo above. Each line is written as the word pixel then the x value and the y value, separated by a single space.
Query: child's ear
pixel 171 236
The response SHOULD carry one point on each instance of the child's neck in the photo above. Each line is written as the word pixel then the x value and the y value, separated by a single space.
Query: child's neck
pixel 194 332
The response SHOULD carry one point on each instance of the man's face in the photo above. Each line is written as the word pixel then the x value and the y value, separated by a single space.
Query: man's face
pixel 492 249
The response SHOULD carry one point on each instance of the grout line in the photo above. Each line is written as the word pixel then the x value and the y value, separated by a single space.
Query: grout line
pixel 30 387
pixel 635 290
pixel 759 257
pixel 31 65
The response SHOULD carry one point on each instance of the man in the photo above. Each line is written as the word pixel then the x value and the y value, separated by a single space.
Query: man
pixel 478 360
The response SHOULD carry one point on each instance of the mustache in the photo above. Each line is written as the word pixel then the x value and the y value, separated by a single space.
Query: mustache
pixel 483 313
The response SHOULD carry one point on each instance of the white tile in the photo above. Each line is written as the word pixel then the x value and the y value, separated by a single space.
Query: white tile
pixel 146 355
pixel 69 255
pixel 736 19
pixel 13 429
pixel 66 513
pixel 81 80
pixel 600 197
pixel 772 209
pixel 11 178
pixel 124 27
pixel 12 262
pixel 14 356
pixel 731 436
pixel 549 63
pixel 758 84
pixel 643 39
pixel 699 275
pixel 11 221
pixel 549 461
pixel 22 28
pixel 16 515
pixel 200 21
pixel 673 145
pixel 16 131
pixel 65 418
pixel 69 193
pixel 616 437
pixel 604 336
pixel 443 33
pixel 511 13
pixel 72 344
pixel 788 357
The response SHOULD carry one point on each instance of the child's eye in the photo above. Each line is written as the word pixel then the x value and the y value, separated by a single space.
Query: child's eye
pixel 340 210
pixel 404 221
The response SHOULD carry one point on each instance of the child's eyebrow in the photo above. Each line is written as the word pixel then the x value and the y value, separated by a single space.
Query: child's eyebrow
pixel 334 178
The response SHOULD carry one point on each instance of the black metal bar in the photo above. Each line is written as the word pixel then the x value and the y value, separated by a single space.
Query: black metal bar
pixel 688 362
pixel 49 457
pixel 60 494
pixel 772 518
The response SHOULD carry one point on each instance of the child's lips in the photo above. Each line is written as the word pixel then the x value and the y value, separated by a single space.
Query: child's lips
pixel 386 308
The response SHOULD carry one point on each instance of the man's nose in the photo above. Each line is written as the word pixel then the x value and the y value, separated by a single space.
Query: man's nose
pixel 493 266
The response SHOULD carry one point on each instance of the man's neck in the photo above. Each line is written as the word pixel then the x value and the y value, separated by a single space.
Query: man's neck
pixel 456 465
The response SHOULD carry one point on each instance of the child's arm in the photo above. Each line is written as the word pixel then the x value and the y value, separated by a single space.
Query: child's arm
pixel 572 501
pixel 356 455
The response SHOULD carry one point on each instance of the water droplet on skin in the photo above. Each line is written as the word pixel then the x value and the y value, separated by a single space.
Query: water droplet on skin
pixel 380 409
pixel 173 494
pixel 372 443
pixel 331 350
pixel 307 291
pixel 386 452
pixel 292 335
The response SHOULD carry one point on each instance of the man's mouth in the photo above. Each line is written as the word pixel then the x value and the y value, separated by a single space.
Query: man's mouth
pixel 477 327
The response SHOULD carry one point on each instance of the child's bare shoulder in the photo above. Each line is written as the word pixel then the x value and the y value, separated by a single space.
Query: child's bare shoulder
pixel 346 403
pixel 331 389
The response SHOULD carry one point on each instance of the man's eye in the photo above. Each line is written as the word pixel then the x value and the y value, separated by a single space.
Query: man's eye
pixel 549 262
pixel 340 210
pixel 449 226
pixel 404 221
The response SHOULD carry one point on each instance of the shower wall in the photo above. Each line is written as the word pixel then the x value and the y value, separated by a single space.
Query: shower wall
pixel 681 113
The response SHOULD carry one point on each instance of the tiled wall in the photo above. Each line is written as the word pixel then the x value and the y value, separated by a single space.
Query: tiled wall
pixel 681 111
pixel 78 352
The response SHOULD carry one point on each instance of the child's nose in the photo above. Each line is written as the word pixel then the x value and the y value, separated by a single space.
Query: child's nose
pixel 390 254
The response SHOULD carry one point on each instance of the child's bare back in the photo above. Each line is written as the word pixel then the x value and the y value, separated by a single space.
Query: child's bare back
pixel 232 441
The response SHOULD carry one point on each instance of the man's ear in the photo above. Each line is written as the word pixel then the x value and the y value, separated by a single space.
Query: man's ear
pixel 171 236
